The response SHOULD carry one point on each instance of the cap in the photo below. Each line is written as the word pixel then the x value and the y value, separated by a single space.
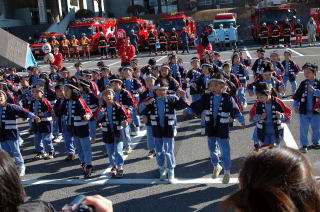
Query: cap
pixel 4 93
pixel 72 84
pixel 38 88
pixel 207 65
pixel 84 83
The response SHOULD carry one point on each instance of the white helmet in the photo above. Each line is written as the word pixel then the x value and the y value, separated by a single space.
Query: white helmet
pixel 161 30
pixel 132 31
pixel 173 29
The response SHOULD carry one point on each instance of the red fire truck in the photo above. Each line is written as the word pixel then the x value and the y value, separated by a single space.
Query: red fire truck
pixel 92 28
pixel 36 48
pixel 269 11
pixel 315 13
pixel 178 21
pixel 141 28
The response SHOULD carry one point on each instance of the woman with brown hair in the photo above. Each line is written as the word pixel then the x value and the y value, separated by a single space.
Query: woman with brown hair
pixel 277 180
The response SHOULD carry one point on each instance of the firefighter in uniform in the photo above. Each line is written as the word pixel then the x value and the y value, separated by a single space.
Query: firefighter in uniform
pixel 103 45
pixel 74 47
pixel 112 46
pixel 298 31
pixel 55 42
pixel 85 43
pixel 275 34
pixel 174 40
pixel 264 35
pixel 65 43
pixel 163 41
pixel 287 33
pixel 152 40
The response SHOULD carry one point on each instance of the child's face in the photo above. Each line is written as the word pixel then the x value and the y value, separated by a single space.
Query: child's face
pixel 150 83
pixel 116 86
pixel 64 75
pixel 161 93
pixel 274 57
pixel 205 70
pixel 308 74
pixel 24 83
pixel 41 83
pixel 53 70
pixel 78 68
pixel 12 72
pixel 87 77
pixel 81 88
pixel 260 54
pixel 108 97
pixel 263 98
pixel 195 64
pixel 127 74
pixel 56 49
pixel 3 99
pixel 164 72
pixel 156 73
pixel 37 94
pixel 266 77
pixel 287 56
pixel 174 60
pixel 236 60
pixel 96 76
pixel 133 65
pixel 216 57
pixel 137 74
pixel 60 93
pixel 67 92
pixel 217 87
pixel 105 73
pixel 35 71
pixel 227 69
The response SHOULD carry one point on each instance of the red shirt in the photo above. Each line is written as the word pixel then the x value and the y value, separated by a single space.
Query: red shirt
pixel 58 60
pixel 128 51
pixel 201 50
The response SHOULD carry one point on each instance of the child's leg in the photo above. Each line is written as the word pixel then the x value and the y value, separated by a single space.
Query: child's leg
pixel 68 140
pixel 150 138
pixel 47 140
pixel 213 148
pixel 225 153
pixel 93 129
pixel 38 142
pixel 293 86
pixel 111 149
pixel 160 151
pixel 125 132
pixel 79 148
pixel 118 151
pixel 136 118
pixel 304 128
pixel 285 81
pixel 315 126
pixel 242 94
pixel 169 152
pixel 87 150
pixel 13 149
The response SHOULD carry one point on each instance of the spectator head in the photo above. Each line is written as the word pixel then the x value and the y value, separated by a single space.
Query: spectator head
pixel 277 180
pixel 152 62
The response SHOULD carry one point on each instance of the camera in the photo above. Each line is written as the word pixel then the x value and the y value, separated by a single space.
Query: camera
pixel 77 206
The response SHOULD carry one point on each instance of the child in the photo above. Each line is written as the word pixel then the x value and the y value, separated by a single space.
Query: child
pixel 192 77
pixel 161 109
pixel 95 76
pixel 93 102
pixel 125 98
pixel 255 68
pixel 61 120
pixel 275 60
pixel 64 75
pixel 146 70
pixel 33 80
pixel 104 81
pixel 134 86
pixel 113 117
pixel 150 81
pixel 9 139
pixel 24 93
pixel 177 71
pixel 305 99
pixel 79 70
pixel 269 113
pixel 241 72
pixel 13 77
pixel 245 60
pixel 216 59
pixel 41 107
pixel 77 114
pixel 220 110
pixel 291 71
pixel 174 85
pixel 54 76
pixel 137 75
pixel 87 75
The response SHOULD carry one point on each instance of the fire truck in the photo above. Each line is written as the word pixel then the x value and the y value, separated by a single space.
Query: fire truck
pixel 315 13
pixel 141 28
pixel 36 48
pixel 269 11
pixel 92 28
pixel 178 21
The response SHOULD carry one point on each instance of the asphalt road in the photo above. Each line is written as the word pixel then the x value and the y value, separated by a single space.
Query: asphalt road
pixel 59 182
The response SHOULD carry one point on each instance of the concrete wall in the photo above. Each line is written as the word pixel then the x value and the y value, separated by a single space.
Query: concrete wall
pixel 117 8
pixel 24 14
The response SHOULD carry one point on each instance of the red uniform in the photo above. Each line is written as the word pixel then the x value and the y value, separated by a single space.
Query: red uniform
pixel 120 36
pixel 127 53
pixel 58 60
pixel 201 50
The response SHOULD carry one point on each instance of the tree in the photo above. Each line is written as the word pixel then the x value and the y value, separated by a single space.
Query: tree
pixel 83 13
pixel 136 9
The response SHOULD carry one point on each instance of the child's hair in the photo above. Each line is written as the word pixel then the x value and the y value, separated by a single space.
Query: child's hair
pixel 13 69
pixel 287 52
pixel 226 64
pixel 152 62
pixel 311 67
pixel 65 69
pixel 54 67
pixel 75 93
pixel 234 56
pixel 85 86
pixel 266 66
pixel 58 87
pixel 216 53
pixel 162 83
pixel 263 88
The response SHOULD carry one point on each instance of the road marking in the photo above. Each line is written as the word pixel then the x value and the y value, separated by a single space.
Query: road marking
pixel 287 100
pixel 161 58
pixel 247 52
pixel 294 51
pixel 114 63
pixel 288 138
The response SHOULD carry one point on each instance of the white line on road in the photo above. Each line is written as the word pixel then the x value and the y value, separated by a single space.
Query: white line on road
pixel 161 58
pixel 294 51
pixel 114 63
pixel 288 138
pixel 247 52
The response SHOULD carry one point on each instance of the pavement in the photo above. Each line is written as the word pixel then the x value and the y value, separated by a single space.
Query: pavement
pixel 60 182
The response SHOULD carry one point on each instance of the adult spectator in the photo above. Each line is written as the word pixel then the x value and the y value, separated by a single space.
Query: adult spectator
pixel 277 180
pixel 203 47
pixel 312 27
pixel 127 53
pixel 185 40
pixel 57 57
pixel 134 40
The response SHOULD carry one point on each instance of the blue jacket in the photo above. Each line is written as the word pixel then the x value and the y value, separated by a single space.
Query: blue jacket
pixel 136 87
pixel 233 33
pixel 45 126
pixel 301 96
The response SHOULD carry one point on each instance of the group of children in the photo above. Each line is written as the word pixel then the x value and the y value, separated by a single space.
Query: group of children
pixel 59 105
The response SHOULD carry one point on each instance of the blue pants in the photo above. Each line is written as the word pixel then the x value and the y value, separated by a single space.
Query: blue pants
pixel 305 122
pixel 13 149
pixel 115 152
pixel 125 133
pixel 203 121
pixel 242 93
pixel 195 97
pixel 92 128
pixel 150 139
pixel 84 150
pixel 55 128
pixel 214 143
pixel 135 117
pixel 67 137
pixel 185 46
pixel 293 84
pixel 43 142
pixel 269 135
pixel 30 121
pixel 165 151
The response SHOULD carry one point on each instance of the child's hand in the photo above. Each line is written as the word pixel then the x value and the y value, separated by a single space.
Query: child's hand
pixel 99 125
pixel 125 123
pixel 296 110
pixel 149 101
pixel 145 120
pixel 87 117
pixel 231 120
pixel 181 93
pixel 185 112
pixel 278 114
pixel 37 118
pixel 311 88
pixel 263 116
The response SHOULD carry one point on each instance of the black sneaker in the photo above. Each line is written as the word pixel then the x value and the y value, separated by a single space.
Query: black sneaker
pixel 70 157
pixel 51 155
pixel 88 171
pixel 119 173
pixel 113 171
pixel 83 167
pixel 315 146
pixel 151 154
pixel 39 155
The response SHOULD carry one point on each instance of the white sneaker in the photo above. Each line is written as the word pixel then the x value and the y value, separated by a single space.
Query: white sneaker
pixel 304 149
pixel 20 141
pixel 216 171
pixel 58 139
pixel 128 150
pixel 226 179
pixel 163 174
pixel 22 171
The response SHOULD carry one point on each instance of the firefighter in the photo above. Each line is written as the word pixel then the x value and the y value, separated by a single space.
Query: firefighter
pixel 185 40
pixel 163 41
pixel 298 31
pixel 112 46
pixel 152 40
pixel 174 40
pixel 134 40
pixel 65 43
pixel 103 45
pixel 55 42
pixel 85 43
pixel 287 33
pixel 264 34
pixel 275 34
pixel 221 38
pixel 75 47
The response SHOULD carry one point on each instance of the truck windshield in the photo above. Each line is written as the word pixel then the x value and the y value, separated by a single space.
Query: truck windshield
pixel 269 16
pixel 128 27
pixel 77 31
pixel 168 24
pixel 226 24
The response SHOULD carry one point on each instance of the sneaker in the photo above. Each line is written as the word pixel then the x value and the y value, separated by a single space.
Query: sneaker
pixel 22 171
pixel 88 171
pixel 40 155
pixel 163 174
pixel 304 149
pixel 83 167
pixel 51 155
pixel 128 150
pixel 226 178
pixel 21 141
pixel 151 154
pixel 315 146
pixel 113 171
pixel 216 171
pixel 93 140
pixel 70 157
pixel 203 131
pixel 119 173
pixel 58 139
pixel 171 174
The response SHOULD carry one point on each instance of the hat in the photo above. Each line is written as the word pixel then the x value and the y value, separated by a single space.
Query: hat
pixel 95 71
pixel 221 25
pixel 4 93
pixel 65 70
pixel 287 52
pixel 206 64
pixel 127 68
pixel 226 63
pixel 216 80
pixel 86 73
pixel 165 65
pixel 72 83
pixel 194 59
pixel 310 66
pixel 107 90
pixel 105 68
pixel 38 88
pixel 115 79
pixel 160 87
pixel 151 77
pixel 84 83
